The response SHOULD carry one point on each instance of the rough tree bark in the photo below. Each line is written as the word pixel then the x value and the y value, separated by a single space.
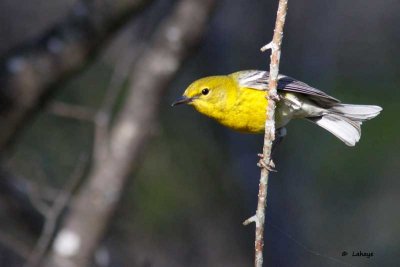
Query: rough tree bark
pixel 266 162
pixel 31 70
pixel 96 200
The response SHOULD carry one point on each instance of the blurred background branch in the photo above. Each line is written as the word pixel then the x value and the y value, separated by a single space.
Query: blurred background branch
pixel 28 74
pixel 34 68
pixel 96 200
pixel 53 212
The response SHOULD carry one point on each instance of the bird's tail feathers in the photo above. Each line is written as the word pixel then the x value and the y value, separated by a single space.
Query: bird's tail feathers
pixel 356 112
pixel 344 120
pixel 345 129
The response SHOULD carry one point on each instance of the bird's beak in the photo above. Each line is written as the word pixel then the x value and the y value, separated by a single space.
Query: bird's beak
pixel 181 100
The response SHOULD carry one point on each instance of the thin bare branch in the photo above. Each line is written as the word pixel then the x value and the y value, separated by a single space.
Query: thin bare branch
pixel 53 213
pixel 70 111
pixel 121 72
pixel 104 114
pixel 37 202
pixel 266 164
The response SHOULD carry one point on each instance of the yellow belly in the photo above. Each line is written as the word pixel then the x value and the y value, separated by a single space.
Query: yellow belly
pixel 248 115
pixel 249 112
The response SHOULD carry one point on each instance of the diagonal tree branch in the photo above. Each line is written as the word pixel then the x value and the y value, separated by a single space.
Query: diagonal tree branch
pixel 266 162
pixel 53 213
pixel 154 69
pixel 30 71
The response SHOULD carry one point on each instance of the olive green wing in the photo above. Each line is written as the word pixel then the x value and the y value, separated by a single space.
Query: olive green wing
pixel 258 80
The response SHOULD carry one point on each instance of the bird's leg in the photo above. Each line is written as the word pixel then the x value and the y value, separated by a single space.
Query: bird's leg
pixel 279 135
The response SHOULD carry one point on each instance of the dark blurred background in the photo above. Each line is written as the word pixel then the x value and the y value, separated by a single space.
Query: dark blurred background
pixel 196 182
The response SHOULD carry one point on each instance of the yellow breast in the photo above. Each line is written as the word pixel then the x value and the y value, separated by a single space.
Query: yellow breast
pixel 248 112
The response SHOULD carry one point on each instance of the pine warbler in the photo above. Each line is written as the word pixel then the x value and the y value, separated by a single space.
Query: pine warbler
pixel 239 102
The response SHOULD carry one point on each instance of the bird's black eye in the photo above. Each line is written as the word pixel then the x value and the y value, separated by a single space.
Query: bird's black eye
pixel 205 91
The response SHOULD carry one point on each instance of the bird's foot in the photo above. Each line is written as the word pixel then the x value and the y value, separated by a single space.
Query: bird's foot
pixel 274 97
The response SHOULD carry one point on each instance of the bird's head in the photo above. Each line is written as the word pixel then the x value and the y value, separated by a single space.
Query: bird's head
pixel 210 95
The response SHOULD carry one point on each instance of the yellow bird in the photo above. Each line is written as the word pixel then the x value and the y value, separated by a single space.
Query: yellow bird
pixel 238 101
